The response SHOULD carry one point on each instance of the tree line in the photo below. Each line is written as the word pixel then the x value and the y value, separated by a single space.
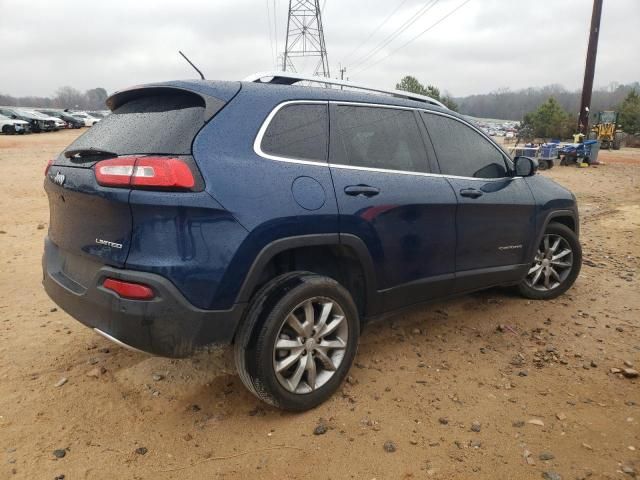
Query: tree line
pixel 547 112
pixel 65 97
pixel 509 104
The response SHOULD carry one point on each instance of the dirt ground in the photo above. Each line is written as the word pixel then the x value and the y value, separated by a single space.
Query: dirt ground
pixel 536 376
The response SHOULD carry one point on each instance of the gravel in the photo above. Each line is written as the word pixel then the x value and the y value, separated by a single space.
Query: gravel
pixel 546 456
pixel 550 475
pixel 321 428
pixel 389 446
pixel 59 453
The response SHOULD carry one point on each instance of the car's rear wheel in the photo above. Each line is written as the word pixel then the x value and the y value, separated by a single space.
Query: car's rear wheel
pixel 556 264
pixel 298 340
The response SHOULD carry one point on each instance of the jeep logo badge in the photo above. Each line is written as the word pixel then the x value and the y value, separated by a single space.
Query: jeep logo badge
pixel 59 179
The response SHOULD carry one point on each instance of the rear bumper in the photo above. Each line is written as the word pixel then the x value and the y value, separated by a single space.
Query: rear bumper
pixel 168 325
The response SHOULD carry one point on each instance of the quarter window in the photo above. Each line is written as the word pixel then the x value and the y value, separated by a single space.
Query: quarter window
pixel 298 131
pixel 462 151
pixel 378 137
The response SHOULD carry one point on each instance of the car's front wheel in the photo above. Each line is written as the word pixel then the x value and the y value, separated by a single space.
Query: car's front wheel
pixel 298 340
pixel 556 264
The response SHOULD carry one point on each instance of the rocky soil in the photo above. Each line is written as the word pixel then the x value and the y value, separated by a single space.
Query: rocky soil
pixel 486 386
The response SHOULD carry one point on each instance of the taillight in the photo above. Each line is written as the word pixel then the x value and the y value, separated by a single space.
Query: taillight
pixel 145 172
pixel 130 290
pixel 46 169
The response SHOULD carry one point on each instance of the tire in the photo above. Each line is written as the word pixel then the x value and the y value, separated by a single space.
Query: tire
pixel 267 322
pixel 545 165
pixel 556 285
pixel 618 138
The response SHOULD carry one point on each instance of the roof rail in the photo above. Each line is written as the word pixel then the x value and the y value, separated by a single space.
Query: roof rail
pixel 289 78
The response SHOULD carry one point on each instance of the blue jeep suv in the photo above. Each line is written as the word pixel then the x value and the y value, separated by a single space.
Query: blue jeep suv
pixel 281 218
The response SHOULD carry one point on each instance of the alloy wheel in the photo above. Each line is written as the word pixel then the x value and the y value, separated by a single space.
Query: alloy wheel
pixel 310 345
pixel 552 264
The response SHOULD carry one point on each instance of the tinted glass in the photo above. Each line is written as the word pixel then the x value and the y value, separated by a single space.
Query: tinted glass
pixel 164 124
pixel 378 138
pixel 298 131
pixel 462 151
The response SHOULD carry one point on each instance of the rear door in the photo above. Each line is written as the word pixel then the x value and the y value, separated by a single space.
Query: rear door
pixel 495 219
pixel 91 221
pixel 388 198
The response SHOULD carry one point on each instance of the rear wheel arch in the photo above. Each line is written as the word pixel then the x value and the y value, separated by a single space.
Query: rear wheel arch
pixel 343 258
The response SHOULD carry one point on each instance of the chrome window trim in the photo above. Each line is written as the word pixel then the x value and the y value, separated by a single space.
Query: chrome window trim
pixel 257 143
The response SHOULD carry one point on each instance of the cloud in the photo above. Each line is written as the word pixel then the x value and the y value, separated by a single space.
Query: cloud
pixel 487 44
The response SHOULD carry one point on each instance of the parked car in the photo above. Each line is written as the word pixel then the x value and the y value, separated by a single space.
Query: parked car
pixel 88 120
pixel 36 122
pixel 57 122
pixel 98 114
pixel 11 125
pixel 70 120
pixel 282 219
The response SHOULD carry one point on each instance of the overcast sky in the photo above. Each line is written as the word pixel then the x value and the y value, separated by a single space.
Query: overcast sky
pixel 483 46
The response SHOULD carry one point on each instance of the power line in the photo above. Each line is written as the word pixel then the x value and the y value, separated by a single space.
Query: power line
pixel 416 37
pixel 424 9
pixel 374 31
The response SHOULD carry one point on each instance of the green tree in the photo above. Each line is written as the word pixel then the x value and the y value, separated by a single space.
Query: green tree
pixel 411 84
pixel 548 121
pixel 630 113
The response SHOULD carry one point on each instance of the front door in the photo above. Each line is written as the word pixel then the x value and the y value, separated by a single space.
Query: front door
pixel 387 198
pixel 496 212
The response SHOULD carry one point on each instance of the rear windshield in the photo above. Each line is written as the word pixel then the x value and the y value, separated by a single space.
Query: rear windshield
pixel 160 123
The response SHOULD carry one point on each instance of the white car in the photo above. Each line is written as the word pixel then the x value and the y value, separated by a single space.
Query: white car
pixel 56 121
pixel 509 135
pixel 89 121
pixel 13 125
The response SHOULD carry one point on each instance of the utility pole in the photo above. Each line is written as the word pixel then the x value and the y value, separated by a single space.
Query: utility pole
pixel 342 72
pixel 305 36
pixel 592 50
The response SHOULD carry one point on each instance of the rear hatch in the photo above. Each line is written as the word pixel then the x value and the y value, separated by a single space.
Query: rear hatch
pixel 90 217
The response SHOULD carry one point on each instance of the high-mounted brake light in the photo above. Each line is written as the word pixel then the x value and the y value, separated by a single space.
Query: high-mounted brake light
pixel 150 172
pixel 130 290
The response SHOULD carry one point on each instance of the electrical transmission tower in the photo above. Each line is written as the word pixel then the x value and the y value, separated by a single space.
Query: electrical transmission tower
pixel 305 37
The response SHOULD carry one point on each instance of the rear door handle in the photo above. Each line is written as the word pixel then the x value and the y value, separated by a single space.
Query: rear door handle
pixel 365 190
pixel 471 192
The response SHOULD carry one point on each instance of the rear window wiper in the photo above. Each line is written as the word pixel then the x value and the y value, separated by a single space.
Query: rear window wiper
pixel 88 152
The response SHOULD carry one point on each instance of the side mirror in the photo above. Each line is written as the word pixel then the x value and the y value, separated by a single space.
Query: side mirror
pixel 14 116
pixel 525 166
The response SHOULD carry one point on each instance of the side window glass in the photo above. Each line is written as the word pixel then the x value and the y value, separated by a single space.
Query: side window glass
pixel 298 131
pixel 462 151
pixel 377 137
